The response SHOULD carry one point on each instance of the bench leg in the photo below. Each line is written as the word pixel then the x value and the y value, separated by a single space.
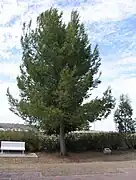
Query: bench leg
pixel 1 151
pixel 23 152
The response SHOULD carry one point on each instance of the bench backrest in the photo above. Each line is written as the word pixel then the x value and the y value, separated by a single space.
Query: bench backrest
pixel 12 145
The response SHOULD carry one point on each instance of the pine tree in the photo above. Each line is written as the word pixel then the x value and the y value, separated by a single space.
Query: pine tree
pixel 123 116
pixel 58 71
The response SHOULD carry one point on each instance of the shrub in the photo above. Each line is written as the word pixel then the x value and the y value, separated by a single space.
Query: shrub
pixel 131 141
pixel 32 139
pixel 76 142
pixel 94 141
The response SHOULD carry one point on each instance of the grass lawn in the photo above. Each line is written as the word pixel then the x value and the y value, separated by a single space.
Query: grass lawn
pixel 78 163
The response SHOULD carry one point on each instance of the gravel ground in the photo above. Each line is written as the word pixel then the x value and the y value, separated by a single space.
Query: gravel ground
pixel 52 167
pixel 128 174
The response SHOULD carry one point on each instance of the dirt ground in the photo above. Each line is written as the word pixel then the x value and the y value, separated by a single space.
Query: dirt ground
pixel 75 164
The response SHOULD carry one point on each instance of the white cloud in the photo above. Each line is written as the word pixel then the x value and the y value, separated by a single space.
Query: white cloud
pixel 104 10
pixel 6 115
pixel 115 73
pixel 9 69
pixel 100 11
pixel 127 61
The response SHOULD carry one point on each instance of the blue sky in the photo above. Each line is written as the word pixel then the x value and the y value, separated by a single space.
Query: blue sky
pixel 110 23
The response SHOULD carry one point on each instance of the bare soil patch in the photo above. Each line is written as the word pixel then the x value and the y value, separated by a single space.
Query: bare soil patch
pixel 75 163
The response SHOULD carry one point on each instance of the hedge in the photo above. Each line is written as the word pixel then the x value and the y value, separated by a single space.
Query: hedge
pixel 75 142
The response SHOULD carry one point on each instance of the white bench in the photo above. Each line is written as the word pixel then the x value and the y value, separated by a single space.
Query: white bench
pixel 12 146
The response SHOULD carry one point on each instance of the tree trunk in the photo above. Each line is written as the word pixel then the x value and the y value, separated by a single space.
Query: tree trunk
pixel 63 151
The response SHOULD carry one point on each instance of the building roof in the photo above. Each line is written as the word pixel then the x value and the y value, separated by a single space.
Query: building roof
pixel 14 126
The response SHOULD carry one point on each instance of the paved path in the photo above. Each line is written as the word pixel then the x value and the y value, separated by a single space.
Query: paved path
pixel 129 174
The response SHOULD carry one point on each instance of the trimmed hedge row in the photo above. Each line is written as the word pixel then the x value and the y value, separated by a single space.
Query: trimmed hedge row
pixel 32 139
pixel 75 142
pixel 94 141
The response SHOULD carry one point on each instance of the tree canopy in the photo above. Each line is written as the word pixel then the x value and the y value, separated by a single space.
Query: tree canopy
pixel 123 116
pixel 59 70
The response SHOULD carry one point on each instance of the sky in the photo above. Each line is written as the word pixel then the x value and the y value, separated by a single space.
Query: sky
pixel 109 23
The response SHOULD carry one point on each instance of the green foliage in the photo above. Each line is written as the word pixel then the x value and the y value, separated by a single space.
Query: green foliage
pixel 32 139
pixel 131 141
pixel 123 116
pixel 94 141
pixel 58 72
pixel 76 142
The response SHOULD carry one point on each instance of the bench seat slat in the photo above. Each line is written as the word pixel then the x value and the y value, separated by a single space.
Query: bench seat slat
pixel 12 148
pixel 12 145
